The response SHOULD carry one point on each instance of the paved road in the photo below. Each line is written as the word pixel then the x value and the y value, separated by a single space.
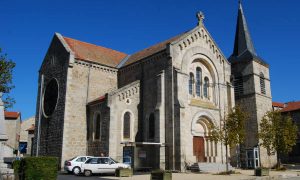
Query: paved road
pixel 96 177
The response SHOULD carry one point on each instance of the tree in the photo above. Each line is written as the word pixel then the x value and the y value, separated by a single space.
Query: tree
pixel 6 67
pixel 232 133
pixel 278 133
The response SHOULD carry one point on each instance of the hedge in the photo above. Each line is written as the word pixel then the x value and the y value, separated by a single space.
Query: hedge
pixel 38 168
pixel 16 166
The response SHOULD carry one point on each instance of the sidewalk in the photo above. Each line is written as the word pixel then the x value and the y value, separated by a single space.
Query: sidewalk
pixel 244 175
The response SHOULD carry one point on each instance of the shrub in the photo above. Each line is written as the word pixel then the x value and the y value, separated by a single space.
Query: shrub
pixel 16 166
pixel 44 168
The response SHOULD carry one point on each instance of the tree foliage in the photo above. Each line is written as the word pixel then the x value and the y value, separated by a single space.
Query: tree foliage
pixel 233 130
pixel 6 67
pixel 278 133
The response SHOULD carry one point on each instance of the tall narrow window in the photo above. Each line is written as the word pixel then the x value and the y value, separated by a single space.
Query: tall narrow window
pixel 262 83
pixel 198 81
pixel 126 126
pixel 205 87
pixel 97 127
pixel 191 83
pixel 238 86
pixel 151 127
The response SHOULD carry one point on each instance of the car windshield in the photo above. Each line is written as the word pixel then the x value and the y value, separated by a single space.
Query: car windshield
pixel 114 160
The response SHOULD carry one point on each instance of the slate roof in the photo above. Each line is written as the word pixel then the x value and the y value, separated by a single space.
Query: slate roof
pixel 11 115
pixel 291 106
pixel 93 53
pixel 243 45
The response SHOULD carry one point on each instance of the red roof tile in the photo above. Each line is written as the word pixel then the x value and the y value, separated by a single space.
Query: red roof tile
pixel 151 50
pixel 291 106
pixel 32 128
pixel 278 104
pixel 97 100
pixel 11 115
pixel 90 52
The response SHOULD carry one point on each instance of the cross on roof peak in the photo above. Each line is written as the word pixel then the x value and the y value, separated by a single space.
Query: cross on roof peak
pixel 200 16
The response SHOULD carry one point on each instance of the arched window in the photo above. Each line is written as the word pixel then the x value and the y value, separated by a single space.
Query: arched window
pixel 97 127
pixel 262 83
pixel 126 126
pixel 205 87
pixel 191 83
pixel 151 127
pixel 198 81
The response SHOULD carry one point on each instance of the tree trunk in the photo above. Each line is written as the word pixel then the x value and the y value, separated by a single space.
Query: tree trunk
pixel 226 157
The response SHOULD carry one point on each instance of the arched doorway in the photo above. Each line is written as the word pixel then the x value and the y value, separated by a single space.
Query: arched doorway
pixel 204 150
pixel 198 148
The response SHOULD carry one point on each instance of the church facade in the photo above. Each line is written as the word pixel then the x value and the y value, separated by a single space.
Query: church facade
pixel 156 106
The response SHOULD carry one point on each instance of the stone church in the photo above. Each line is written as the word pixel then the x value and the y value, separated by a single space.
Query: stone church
pixel 154 107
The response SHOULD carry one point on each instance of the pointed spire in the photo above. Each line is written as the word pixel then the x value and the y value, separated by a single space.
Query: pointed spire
pixel 243 41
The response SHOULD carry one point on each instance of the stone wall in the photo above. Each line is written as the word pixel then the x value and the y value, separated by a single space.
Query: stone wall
pixel 12 127
pixel 55 65
pixel 98 146
pixel 86 82
pixel 125 99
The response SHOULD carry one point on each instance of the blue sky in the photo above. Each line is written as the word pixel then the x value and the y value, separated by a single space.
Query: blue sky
pixel 27 28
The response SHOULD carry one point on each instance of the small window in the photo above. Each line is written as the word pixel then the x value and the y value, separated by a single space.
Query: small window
pixel 126 125
pixel 262 83
pixel 97 130
pixel 82 159
pixel 103 160
pixel 92 161
pixel 191 83
pixel 151 126
pixel 198 81
pixel 205 87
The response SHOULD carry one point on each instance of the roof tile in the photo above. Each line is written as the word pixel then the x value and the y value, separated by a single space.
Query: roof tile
pixel 90 52
pixel 291 106
pixel 11 115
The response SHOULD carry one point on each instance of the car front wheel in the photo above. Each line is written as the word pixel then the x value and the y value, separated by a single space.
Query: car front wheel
pixel 76 170
pixel 87 173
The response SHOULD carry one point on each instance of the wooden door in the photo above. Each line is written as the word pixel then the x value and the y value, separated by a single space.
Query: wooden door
pixel 198 146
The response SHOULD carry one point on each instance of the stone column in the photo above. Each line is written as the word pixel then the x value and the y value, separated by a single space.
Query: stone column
pixel 160 115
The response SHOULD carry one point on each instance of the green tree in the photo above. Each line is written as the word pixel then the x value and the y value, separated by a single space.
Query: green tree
pixel 232 133
pixel 278 133
pixel 6 67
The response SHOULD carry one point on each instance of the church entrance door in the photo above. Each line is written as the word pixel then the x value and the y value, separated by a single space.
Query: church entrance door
pixel 198 146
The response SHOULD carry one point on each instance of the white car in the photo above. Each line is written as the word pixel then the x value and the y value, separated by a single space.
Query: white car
pixel 74 165
pixel 97 165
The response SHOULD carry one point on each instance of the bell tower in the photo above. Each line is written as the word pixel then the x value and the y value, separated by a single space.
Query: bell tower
pixel 252 92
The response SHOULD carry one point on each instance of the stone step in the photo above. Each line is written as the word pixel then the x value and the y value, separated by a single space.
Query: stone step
pixel 213 167
pixel 3 165
pixel 6 171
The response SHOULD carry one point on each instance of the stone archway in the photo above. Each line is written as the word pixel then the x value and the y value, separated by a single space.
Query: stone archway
pixel 204 150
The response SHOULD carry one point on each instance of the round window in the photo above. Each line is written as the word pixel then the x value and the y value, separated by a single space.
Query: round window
pixel 50 97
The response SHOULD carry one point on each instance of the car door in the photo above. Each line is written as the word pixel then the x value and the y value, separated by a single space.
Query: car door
pixel 112 165
pixel 104 165
pixel 92 164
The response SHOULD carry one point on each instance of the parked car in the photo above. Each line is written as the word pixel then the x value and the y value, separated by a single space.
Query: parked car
pixel 74 165
pixel 97 165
